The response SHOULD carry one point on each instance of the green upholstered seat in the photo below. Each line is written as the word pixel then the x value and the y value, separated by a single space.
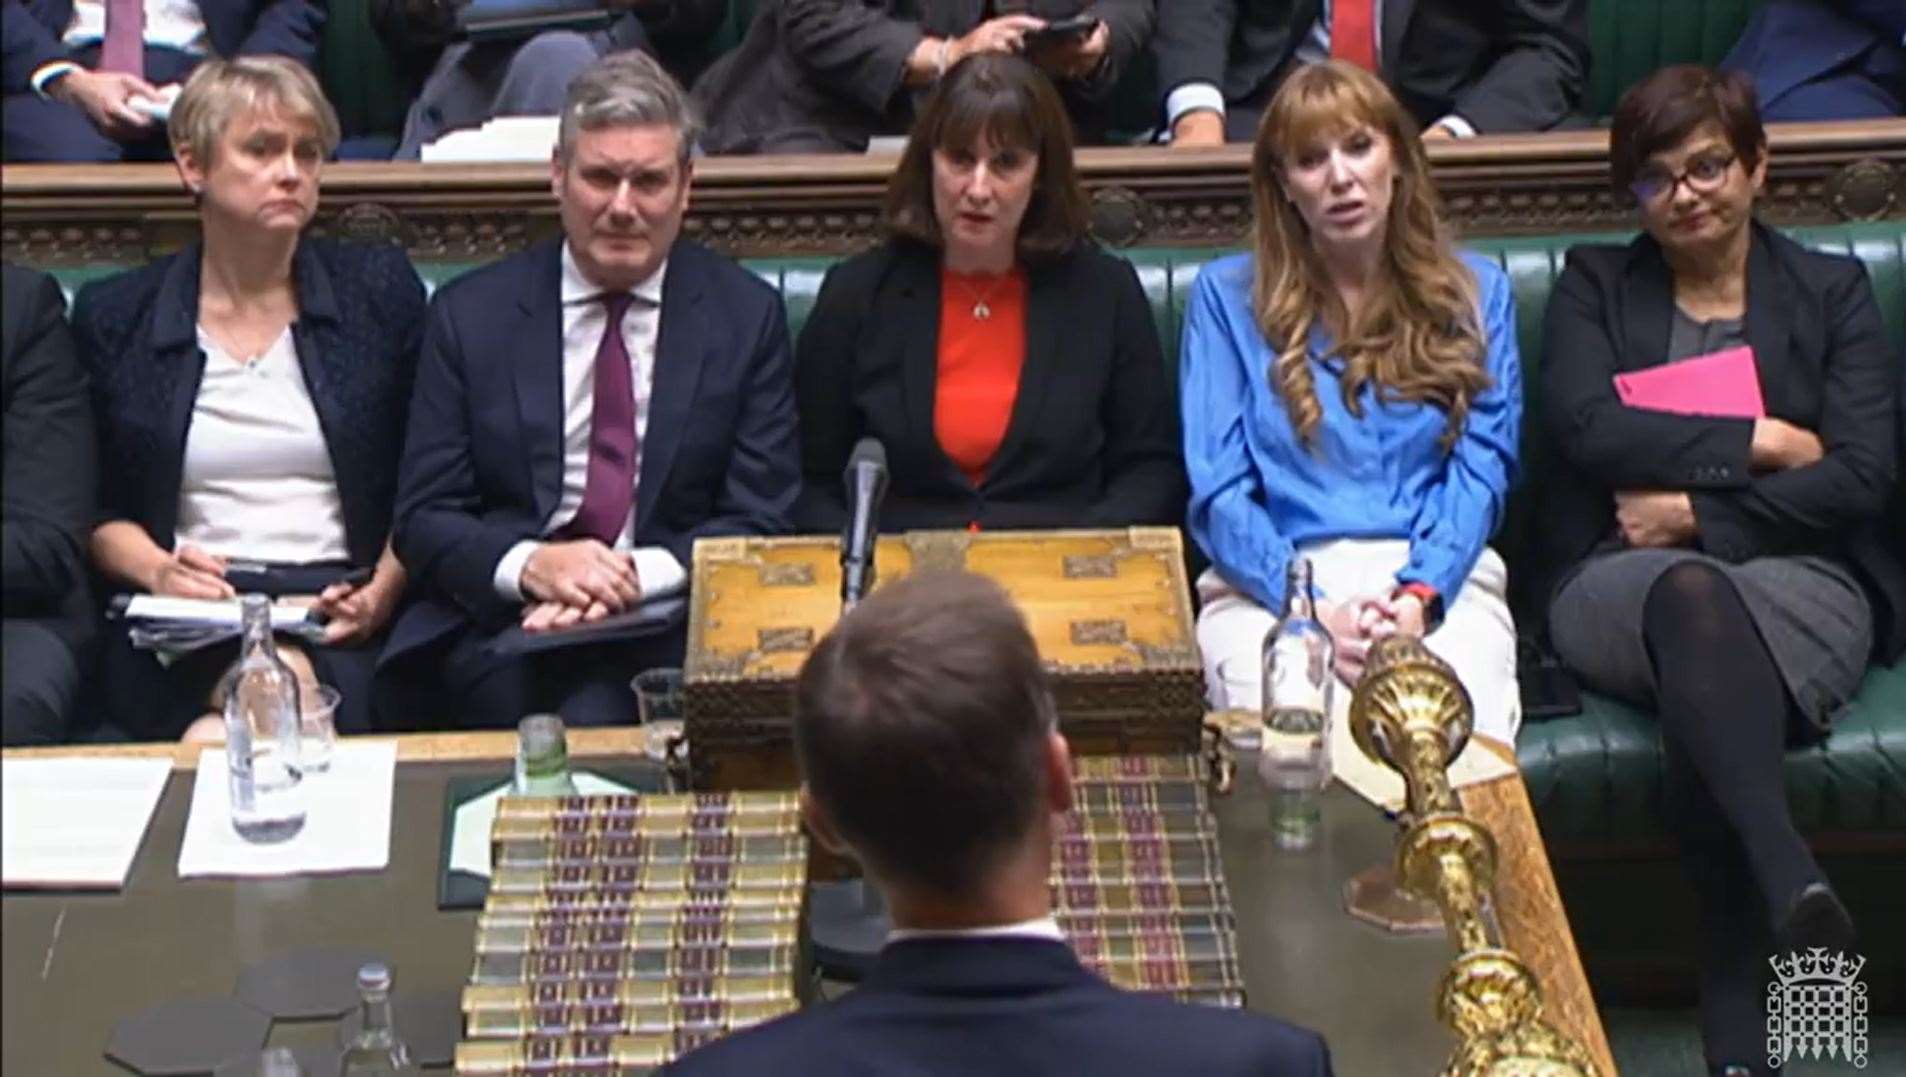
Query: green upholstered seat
pixel 1628 39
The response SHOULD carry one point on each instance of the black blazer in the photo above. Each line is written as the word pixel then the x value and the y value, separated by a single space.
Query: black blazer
pixel 1503 65
pixel 360 316
pixel 828 74
pixel 1093 440
pixel 49 487
pixel 1008 1006
pixel 1825 365
pixel 483 467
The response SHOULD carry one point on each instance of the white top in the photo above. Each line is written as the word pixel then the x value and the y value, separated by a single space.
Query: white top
pixel 585 317
pixel 1039 927
pixel 1315 47
pixel 257 480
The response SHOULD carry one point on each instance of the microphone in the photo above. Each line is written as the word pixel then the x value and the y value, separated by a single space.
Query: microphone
pixel 866 481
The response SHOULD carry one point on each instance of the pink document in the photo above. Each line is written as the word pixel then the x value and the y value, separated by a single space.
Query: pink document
pixel 1724 384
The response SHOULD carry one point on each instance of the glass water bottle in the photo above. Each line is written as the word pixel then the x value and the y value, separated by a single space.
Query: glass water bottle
pixel 1298 679
pixel 542 758
pixel 262 733
pixel 375 1051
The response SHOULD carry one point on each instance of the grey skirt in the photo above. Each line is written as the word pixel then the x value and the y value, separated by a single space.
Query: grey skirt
pixel 1810 612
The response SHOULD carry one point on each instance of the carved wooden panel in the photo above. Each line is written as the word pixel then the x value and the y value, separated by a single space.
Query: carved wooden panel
pixel 70 215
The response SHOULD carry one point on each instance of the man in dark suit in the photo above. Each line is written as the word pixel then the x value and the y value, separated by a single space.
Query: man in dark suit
pixel 1461 67
pixel 1825 59
pixel 929 750
pixel 48 510
pixel 80 76
pixel 826 76
pixel 584 412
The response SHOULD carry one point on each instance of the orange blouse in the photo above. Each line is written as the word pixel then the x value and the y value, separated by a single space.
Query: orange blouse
pixel 979 363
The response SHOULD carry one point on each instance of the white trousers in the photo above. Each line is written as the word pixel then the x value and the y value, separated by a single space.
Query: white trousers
pixel 1477 636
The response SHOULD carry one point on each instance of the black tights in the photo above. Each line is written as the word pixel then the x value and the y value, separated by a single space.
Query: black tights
pixel 1724 715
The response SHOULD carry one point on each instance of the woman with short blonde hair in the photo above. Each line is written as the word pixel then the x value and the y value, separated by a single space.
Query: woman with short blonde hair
pixel 1352 396
pixel 251 393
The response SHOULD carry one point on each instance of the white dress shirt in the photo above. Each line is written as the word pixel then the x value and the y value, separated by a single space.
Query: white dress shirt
pixel 1314 48
pixel 585 317
pixel 256 481
pixel 173 24
pixel 1039 927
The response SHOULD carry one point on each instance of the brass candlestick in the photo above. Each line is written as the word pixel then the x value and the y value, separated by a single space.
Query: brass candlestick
pixel 1411 713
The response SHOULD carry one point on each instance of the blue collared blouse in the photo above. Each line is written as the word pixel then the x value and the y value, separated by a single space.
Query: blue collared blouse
pixel 1257 492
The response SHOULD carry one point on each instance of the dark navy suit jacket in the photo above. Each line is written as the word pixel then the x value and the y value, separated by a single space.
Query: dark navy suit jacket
pixel 1825 59
pixel 483 466
pixel 1008 1007
pixel 30 32
pixel 360 318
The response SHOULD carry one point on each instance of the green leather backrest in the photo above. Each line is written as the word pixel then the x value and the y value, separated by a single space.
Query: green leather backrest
pixel 1628 39
pixel 1531 262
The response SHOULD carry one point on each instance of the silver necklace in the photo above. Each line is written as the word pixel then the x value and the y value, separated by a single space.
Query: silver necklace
pixel 982 310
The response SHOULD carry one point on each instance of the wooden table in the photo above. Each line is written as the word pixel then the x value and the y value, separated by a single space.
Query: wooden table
pixel 1528 906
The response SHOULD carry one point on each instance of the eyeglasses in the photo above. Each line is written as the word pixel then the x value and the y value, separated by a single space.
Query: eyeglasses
pixel 1702 175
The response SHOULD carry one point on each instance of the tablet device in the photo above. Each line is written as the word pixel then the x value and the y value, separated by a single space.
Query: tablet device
pixel 1075 28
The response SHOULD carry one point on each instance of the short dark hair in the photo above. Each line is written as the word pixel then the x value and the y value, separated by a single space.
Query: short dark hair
pixel 920 725
pixel 1662 110
pixel 1011 102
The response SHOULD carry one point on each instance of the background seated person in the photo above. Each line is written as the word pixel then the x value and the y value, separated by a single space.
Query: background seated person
pixel 585 411
pixel 930 751
pixel 1352 394
pixel 75 79
pixel 824 76
pixel 463 84
pixel 48 508
pixel 1009 366
pixel 250 393
pixel 1825 59
pixel 1729 573
pixel 1460 67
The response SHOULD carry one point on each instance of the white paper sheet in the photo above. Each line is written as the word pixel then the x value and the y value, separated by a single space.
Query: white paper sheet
pixel 209 611
pixel 1384 787
pixel 75 822
pixel 470 834
pixel 346 825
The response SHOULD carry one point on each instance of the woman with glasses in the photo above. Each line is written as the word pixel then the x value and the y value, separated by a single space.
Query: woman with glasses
pixel 1724 569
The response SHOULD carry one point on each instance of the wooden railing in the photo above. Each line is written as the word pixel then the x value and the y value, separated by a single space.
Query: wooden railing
pixel 68 215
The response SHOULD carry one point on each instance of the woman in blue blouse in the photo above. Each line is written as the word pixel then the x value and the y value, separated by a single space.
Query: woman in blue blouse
pixel 1352 395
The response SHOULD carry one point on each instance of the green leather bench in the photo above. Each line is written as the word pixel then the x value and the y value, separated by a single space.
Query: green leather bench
pixel 1627 39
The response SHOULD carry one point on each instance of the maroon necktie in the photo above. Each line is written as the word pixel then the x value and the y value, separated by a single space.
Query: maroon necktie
pixel 610 488
pixel 124 47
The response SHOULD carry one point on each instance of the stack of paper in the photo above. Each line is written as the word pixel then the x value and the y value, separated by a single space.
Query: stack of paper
pixel 504 138
pixel 346 823
pixel 75 822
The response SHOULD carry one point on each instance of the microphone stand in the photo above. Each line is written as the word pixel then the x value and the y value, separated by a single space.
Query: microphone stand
pixel 847 919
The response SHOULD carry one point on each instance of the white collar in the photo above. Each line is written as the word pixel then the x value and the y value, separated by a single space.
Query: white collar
pixel 577 288
pixel 1039 927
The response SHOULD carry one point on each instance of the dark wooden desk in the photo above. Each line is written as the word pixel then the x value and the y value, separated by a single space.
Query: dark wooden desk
pixel 74 964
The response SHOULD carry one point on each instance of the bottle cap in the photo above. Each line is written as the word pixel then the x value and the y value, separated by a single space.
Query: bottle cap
pixel 541 735
pixel 374 977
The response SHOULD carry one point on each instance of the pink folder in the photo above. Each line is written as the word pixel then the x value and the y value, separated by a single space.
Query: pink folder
pixel 1724 384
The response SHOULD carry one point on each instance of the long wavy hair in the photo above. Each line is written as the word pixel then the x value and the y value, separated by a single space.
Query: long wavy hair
pixel 1418 335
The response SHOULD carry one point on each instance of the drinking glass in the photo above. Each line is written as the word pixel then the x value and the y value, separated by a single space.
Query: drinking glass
pixel 1239 689
pixel 658 702
pixel 318 735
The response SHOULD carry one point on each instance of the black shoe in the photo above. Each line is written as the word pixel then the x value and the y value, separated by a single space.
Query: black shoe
pixel 1815 919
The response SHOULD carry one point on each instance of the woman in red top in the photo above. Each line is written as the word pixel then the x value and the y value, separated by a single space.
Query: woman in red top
pixel 1010 367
